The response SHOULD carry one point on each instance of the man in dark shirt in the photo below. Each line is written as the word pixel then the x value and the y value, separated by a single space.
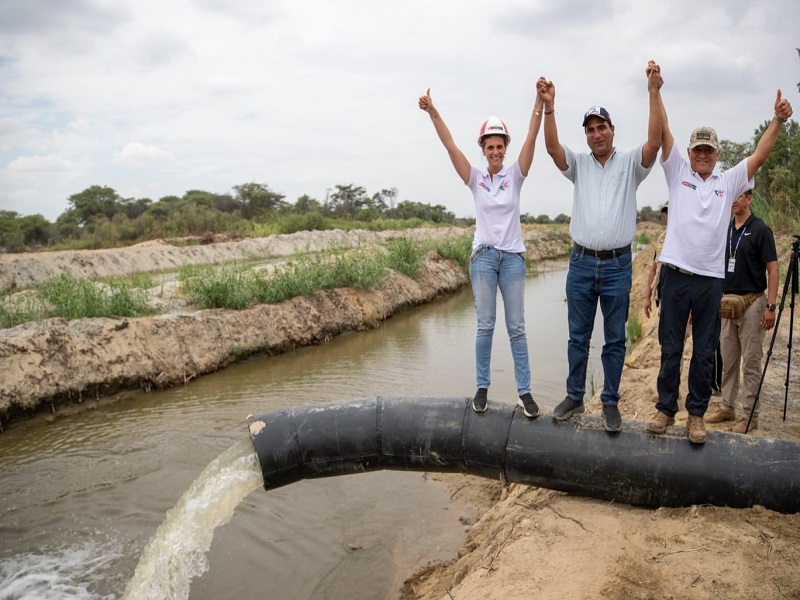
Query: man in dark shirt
pixel 751 266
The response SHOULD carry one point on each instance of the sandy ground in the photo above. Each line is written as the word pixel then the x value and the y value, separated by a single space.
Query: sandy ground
pixel 530 542
pixel 538 543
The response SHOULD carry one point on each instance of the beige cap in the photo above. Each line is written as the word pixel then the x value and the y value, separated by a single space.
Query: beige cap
pixel 704 136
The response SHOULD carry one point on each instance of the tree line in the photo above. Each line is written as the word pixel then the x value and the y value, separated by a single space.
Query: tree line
pixel 98 217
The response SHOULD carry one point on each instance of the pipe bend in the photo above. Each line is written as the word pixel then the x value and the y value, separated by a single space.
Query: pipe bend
pixel 579 456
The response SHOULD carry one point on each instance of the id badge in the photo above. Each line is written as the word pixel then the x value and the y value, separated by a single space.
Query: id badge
pixel 731 265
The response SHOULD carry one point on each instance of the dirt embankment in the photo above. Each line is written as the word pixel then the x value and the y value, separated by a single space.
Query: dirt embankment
pixel 56 363
pixel 537 543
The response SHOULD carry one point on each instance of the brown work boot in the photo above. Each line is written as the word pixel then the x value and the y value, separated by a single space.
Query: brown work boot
pixel 659 423
pixel 721 416
pixel 697 429
pixel 741 425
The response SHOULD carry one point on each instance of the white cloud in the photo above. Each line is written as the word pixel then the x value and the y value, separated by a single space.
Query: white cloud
pixel 36 166
pixel 136 154
pixel 305 96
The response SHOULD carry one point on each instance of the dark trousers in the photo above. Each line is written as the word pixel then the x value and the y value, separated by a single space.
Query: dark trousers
pixel 683 294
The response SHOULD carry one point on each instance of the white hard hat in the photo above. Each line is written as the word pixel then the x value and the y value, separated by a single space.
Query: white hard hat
pixel 493 126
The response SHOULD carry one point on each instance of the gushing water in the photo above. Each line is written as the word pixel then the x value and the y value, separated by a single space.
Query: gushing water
pixel 177 552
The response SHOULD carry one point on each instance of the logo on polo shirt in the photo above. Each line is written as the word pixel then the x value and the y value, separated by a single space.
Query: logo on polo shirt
pixel 502 187
pixel 719 193
pixel 689 185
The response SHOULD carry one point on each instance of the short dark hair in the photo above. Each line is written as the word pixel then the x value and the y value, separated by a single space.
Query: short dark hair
pixel 748 192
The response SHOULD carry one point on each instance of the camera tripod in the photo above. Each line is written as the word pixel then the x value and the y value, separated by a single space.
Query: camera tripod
pixel 791 278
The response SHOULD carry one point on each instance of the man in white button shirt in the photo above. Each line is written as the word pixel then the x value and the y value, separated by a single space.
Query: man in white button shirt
pixel 693 260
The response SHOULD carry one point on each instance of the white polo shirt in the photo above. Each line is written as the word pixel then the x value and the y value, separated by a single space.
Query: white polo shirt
pixel 699 215
pixel 497 208
pixel 604 199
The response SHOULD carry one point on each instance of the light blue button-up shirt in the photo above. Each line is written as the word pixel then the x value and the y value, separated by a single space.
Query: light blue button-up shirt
pixel 604 199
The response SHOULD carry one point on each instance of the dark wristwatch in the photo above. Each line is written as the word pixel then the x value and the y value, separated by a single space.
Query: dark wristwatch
pixel 771 307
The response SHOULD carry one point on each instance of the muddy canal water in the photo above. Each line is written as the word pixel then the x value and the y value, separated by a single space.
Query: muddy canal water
pixel 81 497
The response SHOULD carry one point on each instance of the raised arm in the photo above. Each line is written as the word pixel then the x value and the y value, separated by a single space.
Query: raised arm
pixel 783 111
pixel 529 145
pixel 457 157
pixel 667 140
pixel 653 143
pixel 547 93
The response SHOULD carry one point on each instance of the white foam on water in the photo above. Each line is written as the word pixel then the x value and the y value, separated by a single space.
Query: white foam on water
pixel 64 572
pixel 177 551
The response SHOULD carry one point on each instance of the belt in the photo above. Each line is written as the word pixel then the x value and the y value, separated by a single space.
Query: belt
pixel 602 253
pixel 679 270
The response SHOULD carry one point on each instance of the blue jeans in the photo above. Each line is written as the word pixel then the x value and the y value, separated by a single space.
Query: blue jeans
pixel 608 280
pixel 681 295
pixel 489 269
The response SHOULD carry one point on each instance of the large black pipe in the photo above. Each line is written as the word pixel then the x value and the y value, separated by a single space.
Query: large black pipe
pixel 579 456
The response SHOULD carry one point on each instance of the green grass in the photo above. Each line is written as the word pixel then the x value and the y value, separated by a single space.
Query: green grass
pixel 237 287
pixel 19 309
pixel 189 271
pixel 142 281
pixel 405 256
pixel 360 269
pixel 73 298
pixel 70 298
pixel 228 287
pixel 633 328
pixel 641 240
pixel 233 286
pixel 457 249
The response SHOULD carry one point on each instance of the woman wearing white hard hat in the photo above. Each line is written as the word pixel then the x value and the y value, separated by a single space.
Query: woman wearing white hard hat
pixel 498 251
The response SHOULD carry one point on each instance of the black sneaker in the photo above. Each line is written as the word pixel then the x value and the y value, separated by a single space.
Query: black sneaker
pixel 612 420
pixel 479 401
pixel 567 408
pixel 529 407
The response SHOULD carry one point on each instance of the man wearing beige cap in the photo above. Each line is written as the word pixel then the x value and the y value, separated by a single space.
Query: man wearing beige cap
pixel 693 260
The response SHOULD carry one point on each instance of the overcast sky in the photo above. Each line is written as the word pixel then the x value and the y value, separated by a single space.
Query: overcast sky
pixel 157 97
